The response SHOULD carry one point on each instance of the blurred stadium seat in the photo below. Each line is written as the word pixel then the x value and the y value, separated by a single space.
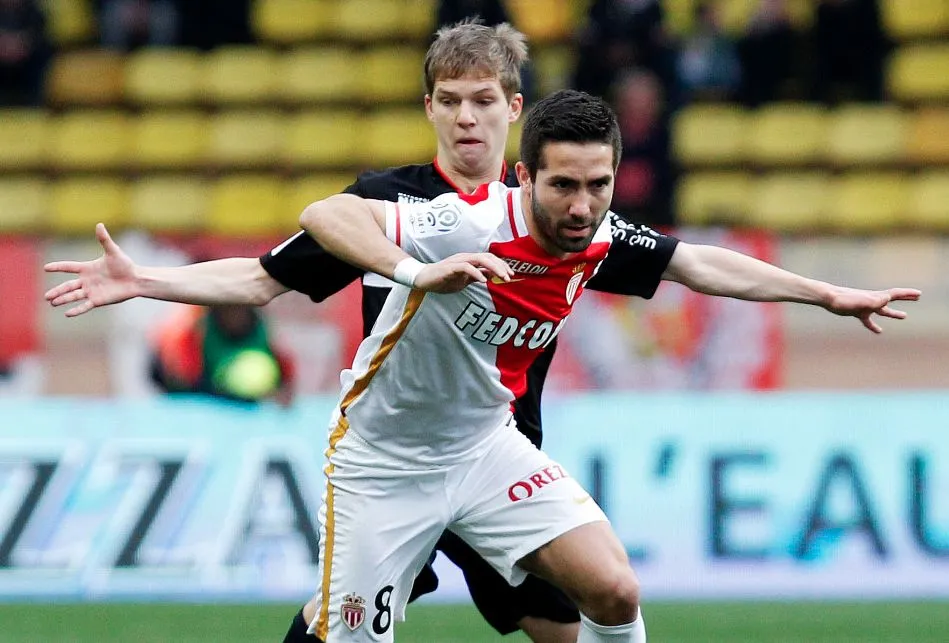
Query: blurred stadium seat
pixel 396 136
pixel 865 135
pixel 928 203
pixel 928 137
pixel 168 204
pixel 735 14
pixel 789 202
pixel 76 204
pixel 703 198
pixel 303 191
pixel 170 139
pixel 318 74
pixel 543 20
pixel 23 202
pixel 244 205
pixel 787 134
pixel 553 67
pixel 87 77
pixel 321 138
pixel 23 139
pixel 919 73
pixel 370 20
pixel 866 202
pixel 70 22
pixel 512 148
pixel 245 139
pixel 289 22
pixel 85 140
pixel 710 135
pixel 392 74
pixel 418 20
pixel 162 76
pixel 239 74
pixel 914 19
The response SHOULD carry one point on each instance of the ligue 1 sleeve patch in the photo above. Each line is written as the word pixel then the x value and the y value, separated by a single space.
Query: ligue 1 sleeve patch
pixel 353 611
pixel 434 220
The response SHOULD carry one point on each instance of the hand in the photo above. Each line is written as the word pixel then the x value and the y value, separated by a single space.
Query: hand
pixel 110 279
pixel 458 271
pixel 863 304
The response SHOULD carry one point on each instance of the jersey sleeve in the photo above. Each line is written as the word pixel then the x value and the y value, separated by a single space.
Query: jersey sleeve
pixel 637 258
pixel 434 230
pixel 301 264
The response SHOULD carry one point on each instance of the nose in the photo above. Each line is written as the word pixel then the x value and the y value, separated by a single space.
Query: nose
pixel 580 206
pixel 466 114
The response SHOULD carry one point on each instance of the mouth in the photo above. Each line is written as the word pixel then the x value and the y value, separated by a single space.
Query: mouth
pixel 467 142
pixel 576 231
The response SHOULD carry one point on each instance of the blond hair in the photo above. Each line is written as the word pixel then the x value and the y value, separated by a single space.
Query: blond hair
pixel 470 47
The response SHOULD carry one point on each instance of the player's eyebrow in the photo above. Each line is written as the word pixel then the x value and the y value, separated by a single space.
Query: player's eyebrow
pixel 447 93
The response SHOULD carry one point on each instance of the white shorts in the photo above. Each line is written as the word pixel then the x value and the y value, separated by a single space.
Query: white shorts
pixel 381 517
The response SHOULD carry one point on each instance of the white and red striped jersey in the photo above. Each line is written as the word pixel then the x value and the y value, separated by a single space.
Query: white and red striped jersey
pixel 438 373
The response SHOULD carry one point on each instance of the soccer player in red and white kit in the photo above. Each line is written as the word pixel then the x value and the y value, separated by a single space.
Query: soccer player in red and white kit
pixel 422 439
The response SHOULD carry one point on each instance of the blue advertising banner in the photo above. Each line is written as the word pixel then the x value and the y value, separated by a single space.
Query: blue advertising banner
pixel 714 495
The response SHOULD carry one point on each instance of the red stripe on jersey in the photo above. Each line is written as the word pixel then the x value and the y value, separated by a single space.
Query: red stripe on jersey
pixel 454 186
pixel 398 226
pixel 510 213
pixel 477 196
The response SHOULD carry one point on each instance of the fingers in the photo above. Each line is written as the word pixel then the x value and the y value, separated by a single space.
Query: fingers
pixel 84 307
pixel 886 311
pixel 62 289
pixel 490 264
pixel 870 325
pixel 904 294
pixel 68 298
pixel 64 266
pixel 102 236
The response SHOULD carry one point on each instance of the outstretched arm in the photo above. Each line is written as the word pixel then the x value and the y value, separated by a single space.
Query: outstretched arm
pixel 718 271
pixel 114 278
pixel 353 229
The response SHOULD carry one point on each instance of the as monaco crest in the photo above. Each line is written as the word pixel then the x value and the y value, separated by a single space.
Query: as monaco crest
pixel 353 611
pixel 574 284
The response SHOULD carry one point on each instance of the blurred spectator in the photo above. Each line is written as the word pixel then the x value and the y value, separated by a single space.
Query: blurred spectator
pixel 708 66
pixel 25 52
pixel 129 24
pixel 223 351
pixel 766 52
pixel 850 47
pixel 207 24
pixel 644 178
pixel 492 12
pixel 619 35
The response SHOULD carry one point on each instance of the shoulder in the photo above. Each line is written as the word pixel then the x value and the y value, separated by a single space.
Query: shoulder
pixel 634 234
pixel 403 183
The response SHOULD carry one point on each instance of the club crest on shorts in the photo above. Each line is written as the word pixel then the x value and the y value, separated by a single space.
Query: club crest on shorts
pixel 574 284
pixel 353 611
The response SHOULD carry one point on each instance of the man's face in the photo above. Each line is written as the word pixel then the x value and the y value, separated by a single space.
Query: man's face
pixel 570 194
pixel 472 117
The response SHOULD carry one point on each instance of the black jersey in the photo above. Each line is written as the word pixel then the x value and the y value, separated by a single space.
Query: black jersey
pixel 634 266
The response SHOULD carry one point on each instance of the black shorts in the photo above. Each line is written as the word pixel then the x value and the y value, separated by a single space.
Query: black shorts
pixel 501 605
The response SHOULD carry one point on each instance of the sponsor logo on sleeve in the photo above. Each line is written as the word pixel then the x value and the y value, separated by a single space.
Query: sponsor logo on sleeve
pixel 437 219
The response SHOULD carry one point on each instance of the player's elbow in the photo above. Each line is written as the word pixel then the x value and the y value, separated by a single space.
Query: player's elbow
pixel 313 216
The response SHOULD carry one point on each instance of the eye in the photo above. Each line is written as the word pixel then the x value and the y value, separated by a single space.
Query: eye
pixel 485 102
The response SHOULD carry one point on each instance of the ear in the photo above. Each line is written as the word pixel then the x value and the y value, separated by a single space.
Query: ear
pixel 523 175
pixel 428 108
pixel 515 107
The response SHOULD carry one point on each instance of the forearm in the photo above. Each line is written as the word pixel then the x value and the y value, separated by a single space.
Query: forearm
pixel 237 280
pixel 352 229
pixel 718 271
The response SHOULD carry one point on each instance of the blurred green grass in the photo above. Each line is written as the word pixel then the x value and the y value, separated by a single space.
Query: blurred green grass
pixel 751 622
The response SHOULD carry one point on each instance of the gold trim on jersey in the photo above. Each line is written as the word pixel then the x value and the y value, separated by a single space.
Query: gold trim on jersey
pixel 412 305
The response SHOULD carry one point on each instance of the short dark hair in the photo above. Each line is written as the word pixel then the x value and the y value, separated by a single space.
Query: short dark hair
pixel 568 116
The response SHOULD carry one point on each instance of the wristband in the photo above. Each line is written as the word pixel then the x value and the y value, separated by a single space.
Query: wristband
pixel 406 271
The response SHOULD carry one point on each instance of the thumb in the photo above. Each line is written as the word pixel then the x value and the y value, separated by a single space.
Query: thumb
pixel 102 235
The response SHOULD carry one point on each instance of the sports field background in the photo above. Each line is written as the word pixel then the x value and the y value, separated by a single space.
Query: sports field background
pixel 791 622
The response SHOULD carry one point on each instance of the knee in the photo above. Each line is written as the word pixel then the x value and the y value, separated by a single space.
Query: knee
pixel 615 600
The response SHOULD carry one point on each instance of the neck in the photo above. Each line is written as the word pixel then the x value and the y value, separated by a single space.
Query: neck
pixel 468 182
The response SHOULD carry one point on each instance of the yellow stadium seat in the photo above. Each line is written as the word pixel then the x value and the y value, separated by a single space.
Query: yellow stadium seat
pixel 913 19
pixel 369 20
pixel 543 20
pixel 928 203
pixel 90 77
pixel 249 205
pixel 418 19
pixel 319 74
pixel 789 202
pixel 70 22
pixel 245 139
pixel 78 203
pixel 304 191
pixel 289 22
pixel 168 204
pixel 928 137
pixel 704 198
pixel 239 74
pixel 865 135
pixel 23 138
pixel 395 137
pixel 919 73
pixel 392 74
pixel 163 76
pixel 170 139
pixel 23 204
pixel 710 135
pixel 787 134
pixel 321 138
pixel 553 66
pixel 89 140
pixel 866 203
pixel 512 149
